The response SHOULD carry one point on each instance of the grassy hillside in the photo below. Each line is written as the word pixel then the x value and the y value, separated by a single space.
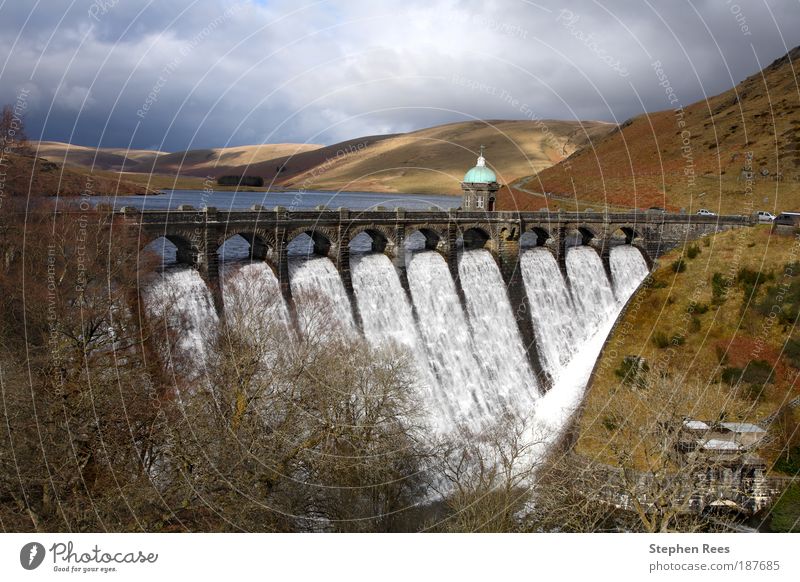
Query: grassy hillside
pixel 26 175
pixel 434 160
pixel 694 158
pixel 431 160
pixel 725 315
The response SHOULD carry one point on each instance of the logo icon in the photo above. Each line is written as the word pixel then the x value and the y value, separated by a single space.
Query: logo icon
pixel 31 555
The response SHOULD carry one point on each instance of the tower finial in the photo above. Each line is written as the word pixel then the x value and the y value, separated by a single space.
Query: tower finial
pixel 481 159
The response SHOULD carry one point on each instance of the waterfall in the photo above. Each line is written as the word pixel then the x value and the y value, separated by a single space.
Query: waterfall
pixel 459 392
pixel 386 314
pixel 180 303
pixel 506 372
pixel 591 289
pixel 628 269
pixel 253 301
pixel 320 299
pixel 555 323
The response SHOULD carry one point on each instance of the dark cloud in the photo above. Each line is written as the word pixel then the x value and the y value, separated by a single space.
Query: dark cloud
pixel 199 73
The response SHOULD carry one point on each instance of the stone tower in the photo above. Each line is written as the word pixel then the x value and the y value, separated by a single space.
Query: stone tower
pixel 480 188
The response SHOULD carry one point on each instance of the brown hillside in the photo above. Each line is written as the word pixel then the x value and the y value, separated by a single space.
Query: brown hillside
pixel 695 157
pixel 434 160
pixel 95 158
pixel 26 175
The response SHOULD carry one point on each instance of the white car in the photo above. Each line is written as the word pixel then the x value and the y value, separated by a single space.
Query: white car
pixel 704 212
pixel 764 216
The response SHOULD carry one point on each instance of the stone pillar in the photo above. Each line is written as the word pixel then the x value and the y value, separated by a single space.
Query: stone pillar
pixel 399 260
pixel 452 260
pixel 509 263
pixel 209 259
pixel 603 247
pixel 343 266
pixel 282 263
pixel 561 251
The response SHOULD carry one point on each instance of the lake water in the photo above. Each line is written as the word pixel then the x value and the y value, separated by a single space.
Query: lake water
pixel 297 200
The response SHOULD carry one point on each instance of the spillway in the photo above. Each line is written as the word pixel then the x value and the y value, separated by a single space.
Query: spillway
pixel 458 394
pixel 180 304
pixel 628 269
pixel 591 290
pixel 320 299
pixel 555 323
pixel 253 301
pixel 505 371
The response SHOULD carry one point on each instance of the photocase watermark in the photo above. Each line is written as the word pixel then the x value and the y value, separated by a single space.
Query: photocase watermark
pixel 680 121
pixel 739 16
pixel 66 558
pixel 168 69
pixel 569 20
pixel 10 138
pixel 320 170
pixel 100 8
pixel 31 555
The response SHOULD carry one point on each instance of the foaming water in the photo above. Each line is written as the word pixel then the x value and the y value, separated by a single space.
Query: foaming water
pixel 320 298
pixel 628 270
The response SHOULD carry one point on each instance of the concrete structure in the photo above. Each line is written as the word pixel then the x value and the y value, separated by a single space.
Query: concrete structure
pixel 198 235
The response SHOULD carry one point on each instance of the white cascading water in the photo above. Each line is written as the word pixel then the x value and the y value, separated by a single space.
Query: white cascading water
pixel 555 323
pixel 595 309
pixel 386 314
pixel 181 304
pixel 591 290
pixel 320 298
pixel 459 391
pixel 628 269
pixel 506 373
pixel 253 300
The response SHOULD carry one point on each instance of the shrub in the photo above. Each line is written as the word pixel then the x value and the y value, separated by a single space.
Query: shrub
pixel 695 324
pixel 719 288
pixel 678 266
pixel 792 351
pixel 660 339
pixel 755 372
pixel 692 251
pixel 633 370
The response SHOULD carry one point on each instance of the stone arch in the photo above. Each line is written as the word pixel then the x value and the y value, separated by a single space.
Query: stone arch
pixel 624 234
pixel 186 252
pixel 475 237
pixel 321 242
pixel 579 235
pixel 261 245
pixel 381 239
pixel 534 237
pixel 432 238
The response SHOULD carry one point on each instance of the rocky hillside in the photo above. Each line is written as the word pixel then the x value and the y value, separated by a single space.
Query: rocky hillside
pixel 736 152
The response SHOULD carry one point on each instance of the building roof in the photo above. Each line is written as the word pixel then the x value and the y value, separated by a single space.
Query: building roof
pixel 742 427
pixel 695 424
pixel 721 445
pixel 480 174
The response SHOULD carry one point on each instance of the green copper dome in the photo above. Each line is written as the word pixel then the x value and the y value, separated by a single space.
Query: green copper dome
pixel 480 174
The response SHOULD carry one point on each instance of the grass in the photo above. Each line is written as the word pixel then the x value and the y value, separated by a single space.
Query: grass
pixel 785 514
pixel 709 317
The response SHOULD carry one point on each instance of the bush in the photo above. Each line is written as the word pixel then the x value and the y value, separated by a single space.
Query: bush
pixel 692 251
pixel 792 351
pixel 678 266
pixel 755 372
pixel 633 370
pixel 719 288
pixel 660 339
pixel 695 325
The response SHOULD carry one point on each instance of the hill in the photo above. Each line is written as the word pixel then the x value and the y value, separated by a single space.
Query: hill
pixel 26 174
pixel 431 160
pixel 726 318
pixel 434 160
pixel 734 153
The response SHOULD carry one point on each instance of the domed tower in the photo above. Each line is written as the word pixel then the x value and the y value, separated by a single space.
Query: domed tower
pixel 480 187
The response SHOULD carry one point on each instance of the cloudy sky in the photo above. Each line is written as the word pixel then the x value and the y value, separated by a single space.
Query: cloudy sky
pixel 202 73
